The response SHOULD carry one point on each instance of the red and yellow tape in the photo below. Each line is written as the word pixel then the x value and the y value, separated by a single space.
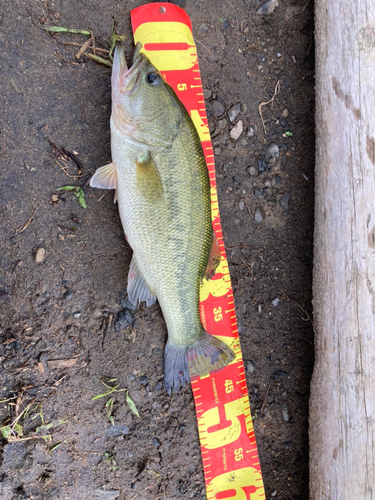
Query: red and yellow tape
pixel 229 451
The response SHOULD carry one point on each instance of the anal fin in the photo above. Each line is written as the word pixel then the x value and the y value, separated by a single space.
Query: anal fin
pixel 214 258
pixel 138 289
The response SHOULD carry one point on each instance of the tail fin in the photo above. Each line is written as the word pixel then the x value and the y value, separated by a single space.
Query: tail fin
pixel 204 356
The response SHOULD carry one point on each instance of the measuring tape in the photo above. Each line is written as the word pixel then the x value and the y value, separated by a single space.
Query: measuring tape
pixel 229 452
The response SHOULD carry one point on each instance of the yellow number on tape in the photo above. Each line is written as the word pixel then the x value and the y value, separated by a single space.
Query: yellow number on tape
pixel 229 434
pixel 237 485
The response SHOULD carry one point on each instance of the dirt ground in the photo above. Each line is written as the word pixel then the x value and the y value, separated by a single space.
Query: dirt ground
pixel 57 316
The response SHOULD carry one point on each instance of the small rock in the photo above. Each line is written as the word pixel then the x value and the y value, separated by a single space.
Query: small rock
pixel 258 194
pixel 143 380
pixel 262 167
pixel 156 443
pixel 97 313
pixel 274 493
pixel 217 107
pixel 241 205
pixel 77 315
pixel 106 495
pixel 250 367
pixel 42 345
pixel 278 55
pixel 250 132
pixel 203 28
pixel 217 151
pixel 279 374
pixel 267 7
pixel 236 130
pixel 68 295
pixel 241 328
pixel 252 171
pixel 272 153
pixel 233 112
pixel 207 93
pixel 225 25
pixel 39 254
pixel 220 126
pixel 259 215
pixel 275 302
pixel 255 389
pixel 159 386
pixel 284 202
pixel 288 445
pixel 126 304
pixel 116 431
pixel 124 319
pixel 283 122
pixel 285 113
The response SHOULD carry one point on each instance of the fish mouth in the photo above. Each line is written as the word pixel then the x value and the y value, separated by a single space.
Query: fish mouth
pixel 126 79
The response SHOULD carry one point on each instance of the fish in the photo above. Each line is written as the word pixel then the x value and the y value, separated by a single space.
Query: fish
pixel 161 184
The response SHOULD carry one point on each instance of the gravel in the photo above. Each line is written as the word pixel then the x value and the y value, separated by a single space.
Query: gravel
pixel 39 254
pixel 217 108
pixel 284 202
pixel 116 431
pixel 284 410
pixel 258 194
pixel 252 171
pixel 272 153
pixel 236 130
pixel 259 215
pixel 233 112
pixel 267 8
pixel 250 367
pixel 124 319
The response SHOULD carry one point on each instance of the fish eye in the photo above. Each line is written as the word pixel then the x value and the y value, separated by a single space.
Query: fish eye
pixel 153 78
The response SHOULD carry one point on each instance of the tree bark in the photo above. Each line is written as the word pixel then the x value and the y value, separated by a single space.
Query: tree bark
pixel 342 405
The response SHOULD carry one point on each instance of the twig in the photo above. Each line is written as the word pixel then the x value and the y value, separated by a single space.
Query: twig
pixel 247 206
pixel 276 91
pixel 27 223
pixel 73 157
pixel 75 44
pixel 86 45
pixel 203 45
pixel 64 170
pixel 9 399
pixel 265 398
pixel 99 59
pixel 102 196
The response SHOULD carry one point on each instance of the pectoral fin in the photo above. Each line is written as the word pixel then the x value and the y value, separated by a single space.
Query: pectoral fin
pixel 148 178
pixel 138 289
pixel 105 178
pixel 213 259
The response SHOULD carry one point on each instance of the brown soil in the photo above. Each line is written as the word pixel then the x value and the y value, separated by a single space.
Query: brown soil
pixel 63 308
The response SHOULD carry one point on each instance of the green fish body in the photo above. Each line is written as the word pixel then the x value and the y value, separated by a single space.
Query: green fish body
pixel 163 193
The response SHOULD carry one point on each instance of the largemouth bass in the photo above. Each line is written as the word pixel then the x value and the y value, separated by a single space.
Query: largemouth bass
pixel 162 187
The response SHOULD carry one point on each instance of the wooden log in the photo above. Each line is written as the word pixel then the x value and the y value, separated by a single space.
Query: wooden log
pixel 342 407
